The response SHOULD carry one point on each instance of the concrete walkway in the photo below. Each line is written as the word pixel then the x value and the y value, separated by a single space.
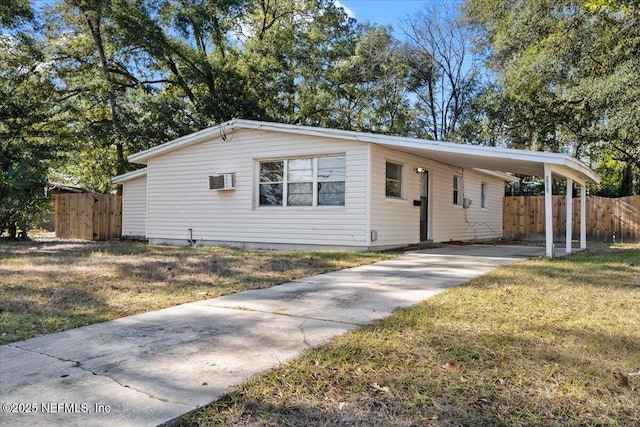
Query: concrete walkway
pixel 149 368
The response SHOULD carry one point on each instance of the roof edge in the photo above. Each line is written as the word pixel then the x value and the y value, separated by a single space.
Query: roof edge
pixel 503 175
pixel 220 131
pixel 129 176
pixel 192 138
pixel 578 166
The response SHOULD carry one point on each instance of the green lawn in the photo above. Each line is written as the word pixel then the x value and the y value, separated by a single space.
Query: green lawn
pixel 537 343
pixel 49 286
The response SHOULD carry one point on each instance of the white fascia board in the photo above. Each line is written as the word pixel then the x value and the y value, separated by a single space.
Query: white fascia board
pixel 477 150
pixel 424 147
pixel 129 176
pixel 586 172
pixel 568 173
pixel 396 142
pixel 502 175
pixel 192 138
pixel 407 142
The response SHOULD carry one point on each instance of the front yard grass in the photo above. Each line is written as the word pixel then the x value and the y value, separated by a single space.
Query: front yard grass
pixel 538 343
pixel 48 286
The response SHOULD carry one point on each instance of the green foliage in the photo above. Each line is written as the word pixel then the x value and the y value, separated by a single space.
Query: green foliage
pixel 23 202
pixel 371 85
pixel 110 78
pixel 568 80
pixel 14 13
pixel 25 110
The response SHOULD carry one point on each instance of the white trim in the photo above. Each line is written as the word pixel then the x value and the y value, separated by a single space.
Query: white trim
pixel 503 175
pixel 569 216
pixel 583 216
pixel 403 181
pixel 286 181
pixel 458 180
pixel 548 210
pixel 389 199
pixel 464 155
pixel 129 176
pixel 484 195
pixel 367 198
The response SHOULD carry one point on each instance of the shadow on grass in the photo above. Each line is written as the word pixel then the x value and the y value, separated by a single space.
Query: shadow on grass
pixel 52 286
pixel 531 352
pixel 505 380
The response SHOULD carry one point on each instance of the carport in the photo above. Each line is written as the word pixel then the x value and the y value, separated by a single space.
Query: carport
pixel 534 163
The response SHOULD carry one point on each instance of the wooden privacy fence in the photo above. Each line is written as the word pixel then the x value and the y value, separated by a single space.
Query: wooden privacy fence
pixel 607 219
pixel 88 216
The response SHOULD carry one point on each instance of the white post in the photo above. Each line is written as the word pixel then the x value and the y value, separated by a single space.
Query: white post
pixel 583 216
pixel 569 221
pixel 548 210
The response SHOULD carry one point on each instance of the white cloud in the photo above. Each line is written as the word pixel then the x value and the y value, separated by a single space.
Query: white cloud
pixel 348 11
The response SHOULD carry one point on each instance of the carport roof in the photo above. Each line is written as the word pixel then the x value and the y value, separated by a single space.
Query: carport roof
pixel 462 155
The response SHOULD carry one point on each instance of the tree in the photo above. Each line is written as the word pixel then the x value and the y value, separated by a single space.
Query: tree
pixel 569 77
pixel 14 13
pixel 289 49
pixel 26 112
pixel 443 72
pixel 188 43
pixel 114 100
pixel 370 85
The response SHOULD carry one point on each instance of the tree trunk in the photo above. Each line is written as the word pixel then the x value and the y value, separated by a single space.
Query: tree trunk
pixel 96 33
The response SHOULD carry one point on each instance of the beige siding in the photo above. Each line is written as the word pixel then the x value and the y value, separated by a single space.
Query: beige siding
pixel 453 222
pixel 134 207
pixel 179 198
pixel 397 222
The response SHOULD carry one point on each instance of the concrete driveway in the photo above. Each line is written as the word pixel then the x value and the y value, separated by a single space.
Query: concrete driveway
pixel 149 368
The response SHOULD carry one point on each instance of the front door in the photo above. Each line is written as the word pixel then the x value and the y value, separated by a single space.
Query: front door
pixel 424 206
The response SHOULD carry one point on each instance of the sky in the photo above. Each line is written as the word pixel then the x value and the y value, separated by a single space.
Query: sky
pixel 387 12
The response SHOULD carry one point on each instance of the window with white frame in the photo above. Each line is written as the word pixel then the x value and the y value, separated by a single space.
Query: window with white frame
pixel 457 190
pixel 311 181
pixel 484 195
pixel 271 183
pixel 393 184
pixel 331 181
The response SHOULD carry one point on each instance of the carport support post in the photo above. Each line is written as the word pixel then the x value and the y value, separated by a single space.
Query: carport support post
pixel 583 216
pixel 569 221
pixel 548 210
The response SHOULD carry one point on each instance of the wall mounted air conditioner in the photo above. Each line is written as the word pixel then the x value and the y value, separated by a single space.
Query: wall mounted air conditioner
pixel 223 181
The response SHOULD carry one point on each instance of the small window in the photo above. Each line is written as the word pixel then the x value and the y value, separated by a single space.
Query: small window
pixel 457 190
pixel 393 185
pixel 300 182
pixel 331 178
pixel 271 183
pixel 484 195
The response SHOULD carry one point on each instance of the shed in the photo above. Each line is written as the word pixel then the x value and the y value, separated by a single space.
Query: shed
pixel 258 184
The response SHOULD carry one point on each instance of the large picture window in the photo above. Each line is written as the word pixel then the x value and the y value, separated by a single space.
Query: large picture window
pixel 313 181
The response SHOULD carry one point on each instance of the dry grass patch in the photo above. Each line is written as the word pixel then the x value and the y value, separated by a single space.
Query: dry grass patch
pixel 49 286
pixel 536 343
